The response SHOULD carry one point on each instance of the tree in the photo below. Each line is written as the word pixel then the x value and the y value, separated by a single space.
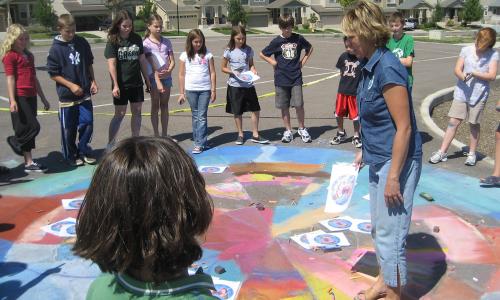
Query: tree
pixel 472 11
pixel 347 3
pixel 235 12
pixel 147 10
pixel 438 13
pixel 114 6
pixel 44 13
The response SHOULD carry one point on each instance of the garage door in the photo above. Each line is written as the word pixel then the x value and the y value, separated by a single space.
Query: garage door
pixel 258 21
pixel 331 20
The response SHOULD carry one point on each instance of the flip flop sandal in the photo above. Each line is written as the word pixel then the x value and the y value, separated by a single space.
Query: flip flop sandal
pixel 490 180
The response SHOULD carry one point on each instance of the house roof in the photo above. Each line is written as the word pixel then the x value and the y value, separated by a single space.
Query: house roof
pixel 319 9
pixel 452 4
pixel 286 3
pixel 255 9
pixel 169 6
pixel 411 4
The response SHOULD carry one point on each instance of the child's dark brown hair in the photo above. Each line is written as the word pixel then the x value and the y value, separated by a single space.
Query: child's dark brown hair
pixel 234 32
pixel 145 206
pixel 114 30
pixel 195 33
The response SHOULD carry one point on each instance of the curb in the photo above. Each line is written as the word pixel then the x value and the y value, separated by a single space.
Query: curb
pixel 434 100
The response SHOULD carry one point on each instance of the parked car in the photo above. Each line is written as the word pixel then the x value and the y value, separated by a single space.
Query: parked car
pixel 410 24
pixel 105 24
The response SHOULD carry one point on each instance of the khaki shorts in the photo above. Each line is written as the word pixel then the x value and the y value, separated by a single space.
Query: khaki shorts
pixel 464 111
pixel 287 96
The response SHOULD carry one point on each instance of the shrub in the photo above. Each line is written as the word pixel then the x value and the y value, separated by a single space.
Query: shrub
pixel 139 25
pixel 450 23
pixel 36 28
pixel 305 26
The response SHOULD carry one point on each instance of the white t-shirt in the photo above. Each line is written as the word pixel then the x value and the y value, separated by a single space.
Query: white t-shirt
pixel 474 90
pixel 197 72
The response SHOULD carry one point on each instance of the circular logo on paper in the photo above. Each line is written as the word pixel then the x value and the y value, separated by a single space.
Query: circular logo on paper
pixel 58 226
pixel 223 291
pixel 326 239
pixel 211 169
pixel 245 77
pixel 303 239
pixel 75 203
pixel 365 226
pixel 339 223
pixel 342 189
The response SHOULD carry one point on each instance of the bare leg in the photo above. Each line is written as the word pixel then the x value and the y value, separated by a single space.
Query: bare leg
pixel 255 123
pixel 114 125
pixel 28 159
pixel 355 123
pixel 164 98
pixel 340 124
pixel 285 115
pixel 475 130
pixel 155 106
pixel 238 120
pixel 451 130
pixel 135 122
pixel 300 116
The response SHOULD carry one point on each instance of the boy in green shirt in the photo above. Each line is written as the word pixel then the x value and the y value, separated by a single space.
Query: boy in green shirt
pixel 401 44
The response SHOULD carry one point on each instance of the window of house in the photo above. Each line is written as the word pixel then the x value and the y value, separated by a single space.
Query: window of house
pixel 391 2
pixel 244 2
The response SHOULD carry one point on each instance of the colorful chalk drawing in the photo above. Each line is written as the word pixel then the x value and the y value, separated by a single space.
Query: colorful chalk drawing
pixel 254 245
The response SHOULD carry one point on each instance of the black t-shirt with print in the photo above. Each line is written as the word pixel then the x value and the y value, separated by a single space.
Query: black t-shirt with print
pixel 350 73
pixel 287 53
pixel 128 68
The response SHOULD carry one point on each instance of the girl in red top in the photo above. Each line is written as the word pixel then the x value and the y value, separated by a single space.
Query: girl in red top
pixel 22 86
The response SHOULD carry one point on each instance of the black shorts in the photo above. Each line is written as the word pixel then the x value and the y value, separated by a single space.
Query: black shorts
pixel 134 95
pixel 240 100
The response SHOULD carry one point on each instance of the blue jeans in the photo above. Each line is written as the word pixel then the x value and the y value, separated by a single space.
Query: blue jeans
pixel 390 225
pixel 198 100
pixel 78 118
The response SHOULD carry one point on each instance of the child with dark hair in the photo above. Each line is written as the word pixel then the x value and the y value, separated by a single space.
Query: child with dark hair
pixel 141 220
pixel 288 63
pixel 241 95
pixel 124 53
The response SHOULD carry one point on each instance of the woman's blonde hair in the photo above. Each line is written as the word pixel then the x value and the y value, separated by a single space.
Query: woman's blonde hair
pixel 486 38
pixel 14 31
pixel 366 20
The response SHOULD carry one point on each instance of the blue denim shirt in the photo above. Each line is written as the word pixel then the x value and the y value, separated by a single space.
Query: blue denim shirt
pixel 377 126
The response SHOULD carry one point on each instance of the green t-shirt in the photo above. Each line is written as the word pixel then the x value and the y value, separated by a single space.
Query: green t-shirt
pixel 121 286
pixel 402 48
pixel 128 68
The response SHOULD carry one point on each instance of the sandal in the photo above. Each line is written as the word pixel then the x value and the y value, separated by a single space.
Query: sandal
pixel 490 180
pixel 362 295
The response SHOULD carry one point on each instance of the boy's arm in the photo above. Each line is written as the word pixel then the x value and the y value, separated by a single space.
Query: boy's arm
pixel 409 51
pixel 268 59
pixel 39 91
pixel 407 61
pixel 94 88
pixel 74 88
pixel 306 57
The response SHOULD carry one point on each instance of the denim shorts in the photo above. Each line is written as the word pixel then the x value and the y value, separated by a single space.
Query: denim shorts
pixel 287 96
pixel 390 225
pixel 167 82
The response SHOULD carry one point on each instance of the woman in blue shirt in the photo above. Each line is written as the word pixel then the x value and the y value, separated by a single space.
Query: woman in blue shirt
pixel 391 144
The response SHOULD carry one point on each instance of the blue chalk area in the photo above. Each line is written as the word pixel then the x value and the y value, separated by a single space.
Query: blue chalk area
pixel 211 260
pixel 5 246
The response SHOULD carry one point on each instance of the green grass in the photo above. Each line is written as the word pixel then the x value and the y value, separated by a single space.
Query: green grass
pixel 446 40
pixel 333 30
pixel 256 31
pixel 301 30
pixel 88 35
pixel 42 35
pixel 223 30
pixel 174 33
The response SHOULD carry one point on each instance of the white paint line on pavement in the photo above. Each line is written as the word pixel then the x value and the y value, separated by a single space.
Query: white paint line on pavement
pixel 437 58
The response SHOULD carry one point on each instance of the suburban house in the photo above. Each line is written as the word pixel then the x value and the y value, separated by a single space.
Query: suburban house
pixel 418 9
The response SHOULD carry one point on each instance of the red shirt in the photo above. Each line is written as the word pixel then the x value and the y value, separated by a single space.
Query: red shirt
pixel 22 67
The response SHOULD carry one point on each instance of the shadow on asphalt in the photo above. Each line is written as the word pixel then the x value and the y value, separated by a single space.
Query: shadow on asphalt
pixel 425 137
pixel 426 262
pixel 189 135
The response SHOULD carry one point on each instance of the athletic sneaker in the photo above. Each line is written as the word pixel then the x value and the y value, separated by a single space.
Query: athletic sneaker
pixel 339 138
pixel 287 136
pixel 239 140
pixel 356 141
pixel 471 159
pixel 259 140
pixel 438 157
pixel 89 160
pixel 197 150
pixel 304 135
pixel 35 167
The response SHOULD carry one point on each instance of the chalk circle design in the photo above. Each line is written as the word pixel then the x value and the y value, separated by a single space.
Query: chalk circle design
pixel 211 169
pixel 303 239
pixel 75 203
pixel 57 227
pixel 365 226
pixel 326 239
pixel 339 223
pixel 223 291
pixel 342 189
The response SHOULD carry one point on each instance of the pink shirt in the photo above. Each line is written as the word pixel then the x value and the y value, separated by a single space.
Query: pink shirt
pixel 159 52
pixel 22 67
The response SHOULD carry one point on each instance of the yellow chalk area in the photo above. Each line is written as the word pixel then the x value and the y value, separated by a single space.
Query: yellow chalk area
pixel 175 111
pixel 304 220
pixel 262 177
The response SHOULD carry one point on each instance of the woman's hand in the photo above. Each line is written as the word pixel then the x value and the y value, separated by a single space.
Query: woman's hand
pixel 358 161
pixel 213 95
pixel 116 91
pixel 392 193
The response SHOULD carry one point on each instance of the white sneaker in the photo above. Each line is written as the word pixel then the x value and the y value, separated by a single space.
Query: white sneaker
pixel 471 159
pixel 304 135
pixel 438 157
pixel 287 136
